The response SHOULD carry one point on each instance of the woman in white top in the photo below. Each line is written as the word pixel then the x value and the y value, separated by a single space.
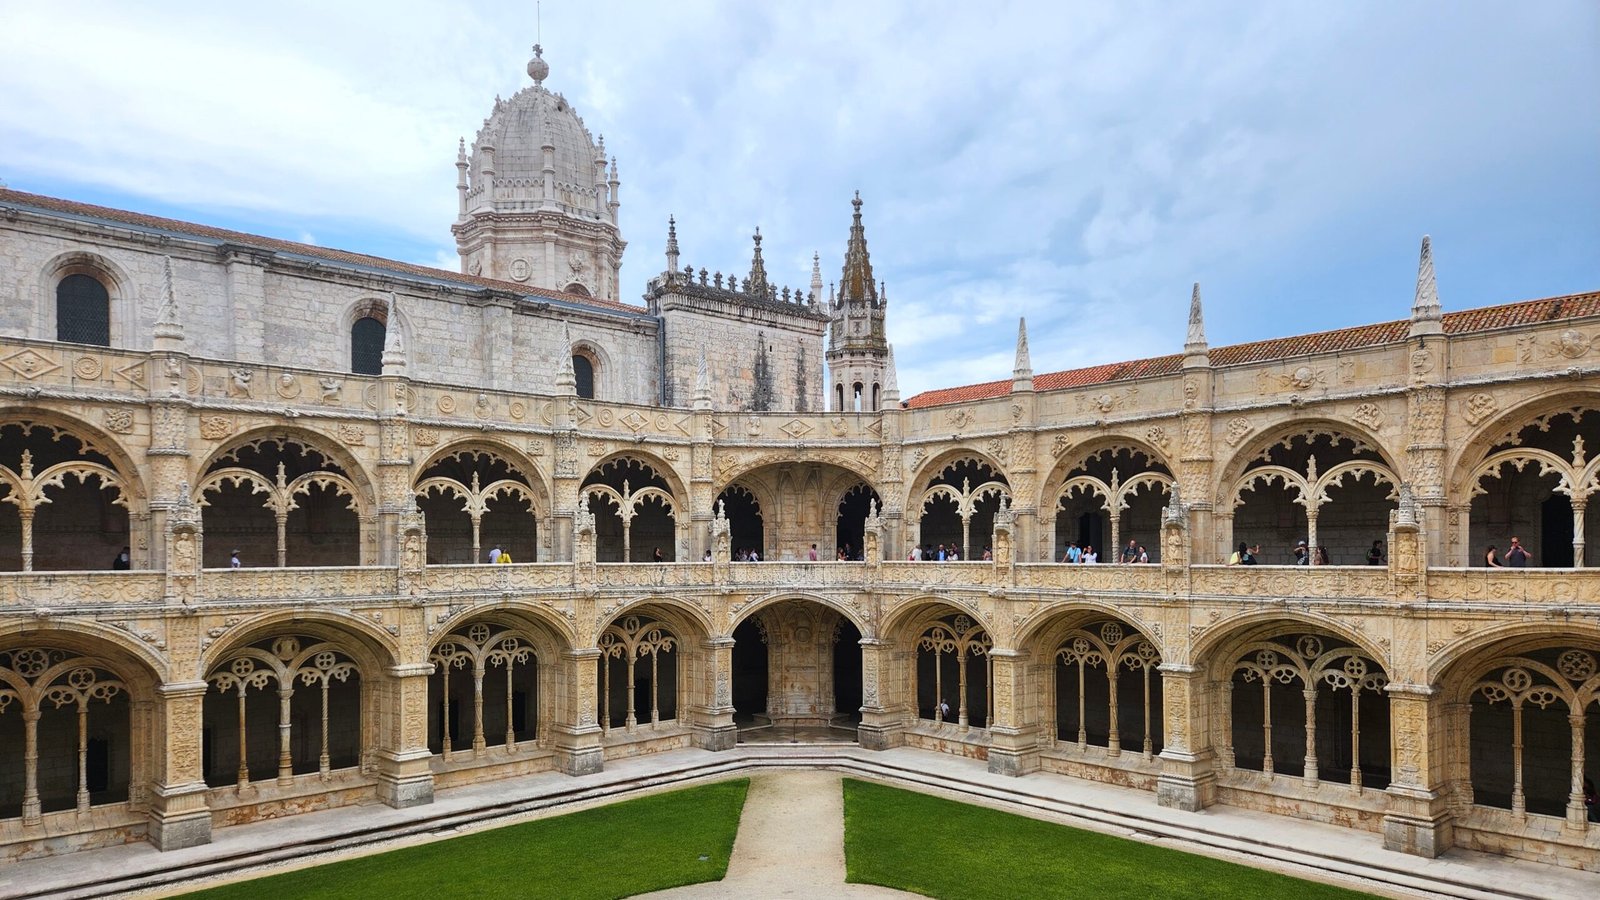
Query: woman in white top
pixel 1089 556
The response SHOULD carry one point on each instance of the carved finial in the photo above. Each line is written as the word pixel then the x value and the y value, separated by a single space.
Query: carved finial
pixel 538 69
pixel 1194 343
pixel 758 268
pixel 1022 369
pixel 1173 512
pixel 394 351
pixel 891 381
pixel 169 324
pixel 672 244
pixel 702 383
pixel 1407 512
pixel 566 378
pixel 1427 317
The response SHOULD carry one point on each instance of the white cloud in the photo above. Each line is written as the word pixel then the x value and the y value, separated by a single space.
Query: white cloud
pixel 1080 164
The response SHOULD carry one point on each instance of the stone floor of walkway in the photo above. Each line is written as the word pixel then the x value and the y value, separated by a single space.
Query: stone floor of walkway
pixel 790 843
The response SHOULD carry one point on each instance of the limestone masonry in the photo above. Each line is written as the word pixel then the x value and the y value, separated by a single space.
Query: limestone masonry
pixel 312 455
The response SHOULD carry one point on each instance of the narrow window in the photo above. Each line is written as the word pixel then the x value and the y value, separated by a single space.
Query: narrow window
pixel 83 311
pixel 366 346
pixel 584 370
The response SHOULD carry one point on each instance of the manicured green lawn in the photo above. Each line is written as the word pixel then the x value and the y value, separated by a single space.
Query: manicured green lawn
pixel 648 844
pixel 954 851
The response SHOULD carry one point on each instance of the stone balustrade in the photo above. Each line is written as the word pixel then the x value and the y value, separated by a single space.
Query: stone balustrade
pixel 71 589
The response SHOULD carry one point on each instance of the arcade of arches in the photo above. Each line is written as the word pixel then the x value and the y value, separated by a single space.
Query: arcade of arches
pixel 366 650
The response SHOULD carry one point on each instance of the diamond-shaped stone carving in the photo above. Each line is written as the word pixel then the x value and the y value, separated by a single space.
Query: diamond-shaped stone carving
pixel 634 421
pixel 133 373
pixel 797 429
pixel 30 363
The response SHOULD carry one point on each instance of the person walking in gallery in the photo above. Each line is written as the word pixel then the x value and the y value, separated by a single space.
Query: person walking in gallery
pixel 1130 553
pixel 707 557
pixel 812 556
pixel 122 562
pixel 1072 553
pixel 944 710
pixel 505 558
pixel 233 561
pixel 988 554
pixel 1302 554
pixel 915 555
pixel 1144 555
pixel 658 557
pixel 1089 556
pixel 1375 554
pixel 1238 555
pixel 1491 558
pixel 494 554
pixel 954 555
pixel 942 556
pixel 1322 557
pixel 1516 557
pixel 1252 556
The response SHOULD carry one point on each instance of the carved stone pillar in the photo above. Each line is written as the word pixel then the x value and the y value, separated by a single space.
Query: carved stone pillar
pixel 179 816
pixel 394 470
pixel 882 725
pixel 1187 781
pixel 1419 820
pixel 1015 729
pixel 713 719
pixel 577 730
pixel 402 757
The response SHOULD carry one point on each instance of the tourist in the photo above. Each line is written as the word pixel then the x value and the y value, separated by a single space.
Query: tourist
pixel 988 554
pixel 505 558
pixel 658 556
pixel 915 555
pixel 1130 553
pixel 1144 555
pixel 812 556
pixel 1072 554
pixel 1252 557
pixel 955 554
pixel 122 562
pixel 1322 557
pixel 1089 556
pixel 1491 558
pixel 233 561
pixel 842 555
pixel 707 557
pixel 494 554
pixel 1302 554
pixel 944 709
pixel 1516 557
pixel 942 556
pixel 1375 554
pixel 1238 555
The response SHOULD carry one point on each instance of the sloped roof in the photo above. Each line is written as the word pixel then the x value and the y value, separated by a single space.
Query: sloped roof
pixel 1526 312
pixel 42 203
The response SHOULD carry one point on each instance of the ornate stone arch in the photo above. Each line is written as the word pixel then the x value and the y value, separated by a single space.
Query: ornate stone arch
pixel 144 664
pixel 924 608
pixel 675 481
pixel 855 616
pixel 934 466
pixel 1211 649
pixel 374 649
pixel 327 445
pixel 1253 450
pixel 1078 455
pixel 551 632
pixel 1035 634
pixel 1466 461
pixel 600 361
pixel 121 289
pixel 93 438
pixel 689 619
pixel 1506 639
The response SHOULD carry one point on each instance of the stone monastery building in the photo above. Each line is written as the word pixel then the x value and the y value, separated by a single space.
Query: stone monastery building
pixel 358 433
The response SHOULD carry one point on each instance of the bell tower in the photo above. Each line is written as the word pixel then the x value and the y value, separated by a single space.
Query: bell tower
pixel 858 348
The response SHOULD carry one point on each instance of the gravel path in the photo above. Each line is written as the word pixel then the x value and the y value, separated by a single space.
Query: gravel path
pixel 790 843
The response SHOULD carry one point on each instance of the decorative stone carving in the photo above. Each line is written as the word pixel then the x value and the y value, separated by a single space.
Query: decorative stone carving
pixel 1239 428
pixel 215 428
pixel 1369 416
pixel 87 368
pixel 1478 407
pixel 118 420
pixel 239 380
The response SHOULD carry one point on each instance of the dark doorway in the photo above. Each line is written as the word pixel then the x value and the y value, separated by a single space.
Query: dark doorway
pixel 749 675
pixel 1555 533
pixel 847 674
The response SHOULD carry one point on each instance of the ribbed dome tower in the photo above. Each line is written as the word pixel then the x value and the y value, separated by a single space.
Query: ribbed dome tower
pixel 539 197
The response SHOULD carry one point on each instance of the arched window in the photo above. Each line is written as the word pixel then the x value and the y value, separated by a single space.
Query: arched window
pixel 83 311
pixel 578 289
pixel 583 368
pixel 366 346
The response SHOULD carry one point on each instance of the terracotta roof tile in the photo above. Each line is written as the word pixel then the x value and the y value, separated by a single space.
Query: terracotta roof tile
pixel 140 220
pixel 1526 312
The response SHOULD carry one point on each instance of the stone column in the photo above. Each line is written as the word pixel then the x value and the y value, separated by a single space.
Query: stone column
pixel 1187 781
pixel 577 731
pixel 882 723
pixel 1419 820
pixel 394 469
pixel 404 775
pixel 1015 729
pixel 713 719
pixel 179 816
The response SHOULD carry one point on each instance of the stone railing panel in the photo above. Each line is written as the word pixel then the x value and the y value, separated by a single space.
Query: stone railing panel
pixel 1291 581
pixel 1554 586
pixel 313 584
pixel 35 589
pixel 480 577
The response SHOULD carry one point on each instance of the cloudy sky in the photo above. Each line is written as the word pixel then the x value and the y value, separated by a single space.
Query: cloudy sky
pixel 1079 163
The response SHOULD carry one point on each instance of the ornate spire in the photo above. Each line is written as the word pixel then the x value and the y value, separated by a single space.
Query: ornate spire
pixel 566 378
pixel 672 244
pixel 169 324
pixel 856 284
pixel 816 279
pixel 1194 344
pixel 394 348
pixel 891 382
pixel 758 269
pixel 1022 370
pixel 702 383
pixel 1427 317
